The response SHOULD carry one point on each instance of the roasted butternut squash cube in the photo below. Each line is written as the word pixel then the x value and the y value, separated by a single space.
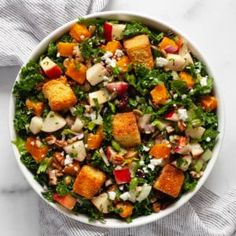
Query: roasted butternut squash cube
pixel 160 150
pixel 112 46
pixel 65 49
pixel 79 32
pixel 59 94
pixel 76 71
pixel 125 129
pixel 139 50
pixel 187 78
pixel 89 181
pixel 170 181
pixel 209 103
pixel 159 94
pixel 123 64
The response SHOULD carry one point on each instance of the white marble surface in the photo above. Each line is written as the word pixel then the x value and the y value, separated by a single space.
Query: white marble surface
pixel 211 25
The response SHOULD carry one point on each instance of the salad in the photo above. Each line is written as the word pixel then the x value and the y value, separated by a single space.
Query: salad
pixel 115 119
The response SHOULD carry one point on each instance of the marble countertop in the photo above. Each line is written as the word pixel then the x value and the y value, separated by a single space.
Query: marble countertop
pixel 211 25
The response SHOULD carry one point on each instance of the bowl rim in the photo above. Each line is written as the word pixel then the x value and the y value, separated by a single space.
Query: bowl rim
pixel 110 222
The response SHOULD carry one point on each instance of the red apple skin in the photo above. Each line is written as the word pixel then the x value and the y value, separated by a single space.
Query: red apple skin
pixel 54 72
pixel 67 201
pixel 110 153
pixel 107 27
pixel 122 176
pixel 172 116
pixel 119 87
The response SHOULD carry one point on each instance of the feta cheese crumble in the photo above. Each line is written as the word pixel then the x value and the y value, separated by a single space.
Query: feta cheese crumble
pixel 161 61
pixel 182 114
pixel 112 195
pixel 125 196
pixel 119 53
pixel 208 139
pixel 68 160
pixel 203 81
pixel 156 162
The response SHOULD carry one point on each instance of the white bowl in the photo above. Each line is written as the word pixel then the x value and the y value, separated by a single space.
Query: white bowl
pixel 115 223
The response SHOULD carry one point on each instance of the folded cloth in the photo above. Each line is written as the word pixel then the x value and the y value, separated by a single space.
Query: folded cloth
pixel 23 23
pixel 205 214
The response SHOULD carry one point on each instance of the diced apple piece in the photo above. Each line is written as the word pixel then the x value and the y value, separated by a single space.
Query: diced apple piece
pixel 183 163
pixel 195 132
pixel 107 27
pixel 102 202
pixel 146 189
pixel 50 68
pixel 36 124
pixel 122 176
pixel 78 125
pixel 95 74
pixel 67 201
pixel 119 87
pixel 196 149
pixel 175 62
pixel 117 30
pixel 53 122
pixel 77 149
pixel 172 116
pixel 101 96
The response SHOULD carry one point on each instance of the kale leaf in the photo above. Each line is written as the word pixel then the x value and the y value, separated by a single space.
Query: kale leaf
pixel 84 206
pixel 22 118
pixel 98 162
pixel 29 77
pixel 189 183
pixel 145 79
pixel 29 162
pixel 135 28
pixel 48 195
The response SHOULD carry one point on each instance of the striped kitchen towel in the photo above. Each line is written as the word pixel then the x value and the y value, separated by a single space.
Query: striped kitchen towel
pixel 205 214
pixel 23 23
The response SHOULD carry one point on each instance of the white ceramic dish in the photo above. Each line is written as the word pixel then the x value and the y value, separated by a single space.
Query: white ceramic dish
pixel 114 223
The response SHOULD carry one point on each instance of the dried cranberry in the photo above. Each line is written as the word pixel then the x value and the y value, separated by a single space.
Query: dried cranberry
pixel 140 174
pixel 123 103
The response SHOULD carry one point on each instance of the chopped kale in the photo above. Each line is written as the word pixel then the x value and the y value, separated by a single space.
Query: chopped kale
pixel 62 189
pixel 189 183
pixel 29 77
pixel 135 28
pixel 179 87
pixel 22 118
pixel 98 162
pixel 48 195
pixel 143 208
pixel 84 206
pixel 52 49
pixel 29 162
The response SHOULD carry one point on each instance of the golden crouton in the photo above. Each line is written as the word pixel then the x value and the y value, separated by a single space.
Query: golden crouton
pixel 170 181
pixel 59 94
pixel 125 129
pixel 89 181
pixel 139 50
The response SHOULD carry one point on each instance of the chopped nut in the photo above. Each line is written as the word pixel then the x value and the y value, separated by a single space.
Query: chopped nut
pixel 112 188
pixel 59 158
pixel 51 139
pixel 181 126
pixel 72 169
pixel 53 174
pixel 131 154
pixel 156 207
pixel 92 29
pixel 61 143
pixel 67 180
pixel 196 175
pixel 117 160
